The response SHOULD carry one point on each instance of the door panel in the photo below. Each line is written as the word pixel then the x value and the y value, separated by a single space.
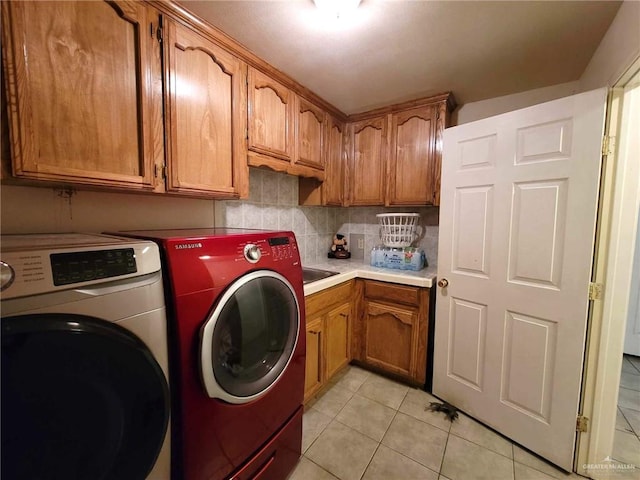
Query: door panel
pixel 537 232
pixel 472 230
pixel 467 342
pixel 526 385
pixel 518 208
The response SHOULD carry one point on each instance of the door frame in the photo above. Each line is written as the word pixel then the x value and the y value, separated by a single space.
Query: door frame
pixel 615 245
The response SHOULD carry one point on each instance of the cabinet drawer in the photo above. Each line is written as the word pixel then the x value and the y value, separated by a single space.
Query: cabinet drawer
pixel 328 298
pixel 391 292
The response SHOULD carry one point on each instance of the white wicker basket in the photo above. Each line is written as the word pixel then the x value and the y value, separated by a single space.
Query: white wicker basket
pixel 399 229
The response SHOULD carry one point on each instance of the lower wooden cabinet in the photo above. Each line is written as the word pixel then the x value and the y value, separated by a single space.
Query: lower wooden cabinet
pixel 314 372
pixel 378 324
pixel 391 337
pixel 328 331
pixel 337 338
pixel 390 332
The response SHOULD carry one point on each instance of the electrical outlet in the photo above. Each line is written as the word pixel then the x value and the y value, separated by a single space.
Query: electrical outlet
pixel 356 245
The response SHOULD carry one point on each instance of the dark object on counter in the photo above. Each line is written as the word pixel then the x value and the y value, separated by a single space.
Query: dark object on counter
pixel 339 247
pixel 449 410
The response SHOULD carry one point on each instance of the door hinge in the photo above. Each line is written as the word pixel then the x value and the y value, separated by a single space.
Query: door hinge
pixel 608 144
pixel 156 31
pixel 161 171
pixel 582 424
pixel 595 291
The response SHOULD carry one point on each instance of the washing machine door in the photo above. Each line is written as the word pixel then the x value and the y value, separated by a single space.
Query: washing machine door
pixel 82 398
pixel 250 337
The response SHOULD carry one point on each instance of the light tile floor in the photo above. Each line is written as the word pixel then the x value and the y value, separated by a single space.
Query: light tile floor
pixel 626 443
pixel 366 427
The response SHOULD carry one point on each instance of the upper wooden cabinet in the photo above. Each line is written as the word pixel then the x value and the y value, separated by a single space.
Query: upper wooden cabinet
pixel 286 132
pixel 205 115
pixel 412 157
pixel 333 188
pixel 366 170
pixel 395 153
pixel 78 92
pixel 90 102
pixel 330 192
pixel 271 117
pixel 311 123
pixel 392 157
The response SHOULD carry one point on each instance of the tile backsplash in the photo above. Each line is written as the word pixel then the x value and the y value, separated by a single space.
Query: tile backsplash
pixel 273 204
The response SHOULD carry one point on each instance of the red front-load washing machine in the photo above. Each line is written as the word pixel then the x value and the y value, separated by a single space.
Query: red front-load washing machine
pixel 237 351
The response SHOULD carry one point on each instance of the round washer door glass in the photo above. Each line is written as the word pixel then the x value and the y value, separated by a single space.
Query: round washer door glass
pixel 81 399
pixel 250 337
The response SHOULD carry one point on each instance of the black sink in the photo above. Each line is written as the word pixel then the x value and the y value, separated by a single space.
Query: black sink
pixel 313 274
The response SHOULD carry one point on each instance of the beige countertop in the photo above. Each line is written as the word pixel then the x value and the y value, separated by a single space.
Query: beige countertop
pixel 349 269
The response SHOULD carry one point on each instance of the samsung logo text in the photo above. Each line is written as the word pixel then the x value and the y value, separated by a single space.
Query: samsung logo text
pixel 185 246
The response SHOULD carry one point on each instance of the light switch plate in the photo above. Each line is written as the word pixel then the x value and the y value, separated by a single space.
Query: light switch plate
pixel 356 246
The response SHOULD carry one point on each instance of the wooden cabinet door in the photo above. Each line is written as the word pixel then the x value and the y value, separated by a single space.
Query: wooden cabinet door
pixel 271 115
pixel 391 336
pixel 311 123
pixel 314 375
pixel 333 186
pixel 338 328
pixel 205 116
pixel 367 163
pixel 79 91
pixel 411 157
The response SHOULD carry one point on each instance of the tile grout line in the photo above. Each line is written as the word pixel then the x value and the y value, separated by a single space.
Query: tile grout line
pixel 321 467
pixel 626 357
pixel 383 435
pixel 484 446
pixel 395 451
pixel 633 430
pixel 444 452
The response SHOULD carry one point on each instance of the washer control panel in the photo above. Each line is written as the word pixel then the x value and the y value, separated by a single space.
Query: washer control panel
pixel 35 271
pixel 76 267
pixel 283 248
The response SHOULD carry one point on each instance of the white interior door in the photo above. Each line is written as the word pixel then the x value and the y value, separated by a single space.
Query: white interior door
pixel 632 335
pixel 631 146
pixel 517 226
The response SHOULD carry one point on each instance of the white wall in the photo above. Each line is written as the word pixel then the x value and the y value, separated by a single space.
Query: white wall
pixel 43 210
pixel 470 112
pixel 619 48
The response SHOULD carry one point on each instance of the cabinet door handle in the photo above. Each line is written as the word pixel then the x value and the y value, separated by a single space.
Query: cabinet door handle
pixel 344 315
pixel 314 332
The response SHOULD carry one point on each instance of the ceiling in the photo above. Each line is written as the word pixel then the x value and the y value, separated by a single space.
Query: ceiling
pixel 391 51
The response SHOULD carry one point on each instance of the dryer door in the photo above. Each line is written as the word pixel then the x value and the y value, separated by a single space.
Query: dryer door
pixel 249 338
pixel 82 398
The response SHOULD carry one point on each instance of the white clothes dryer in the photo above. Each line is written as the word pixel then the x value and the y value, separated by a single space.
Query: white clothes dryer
pixel 85 393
